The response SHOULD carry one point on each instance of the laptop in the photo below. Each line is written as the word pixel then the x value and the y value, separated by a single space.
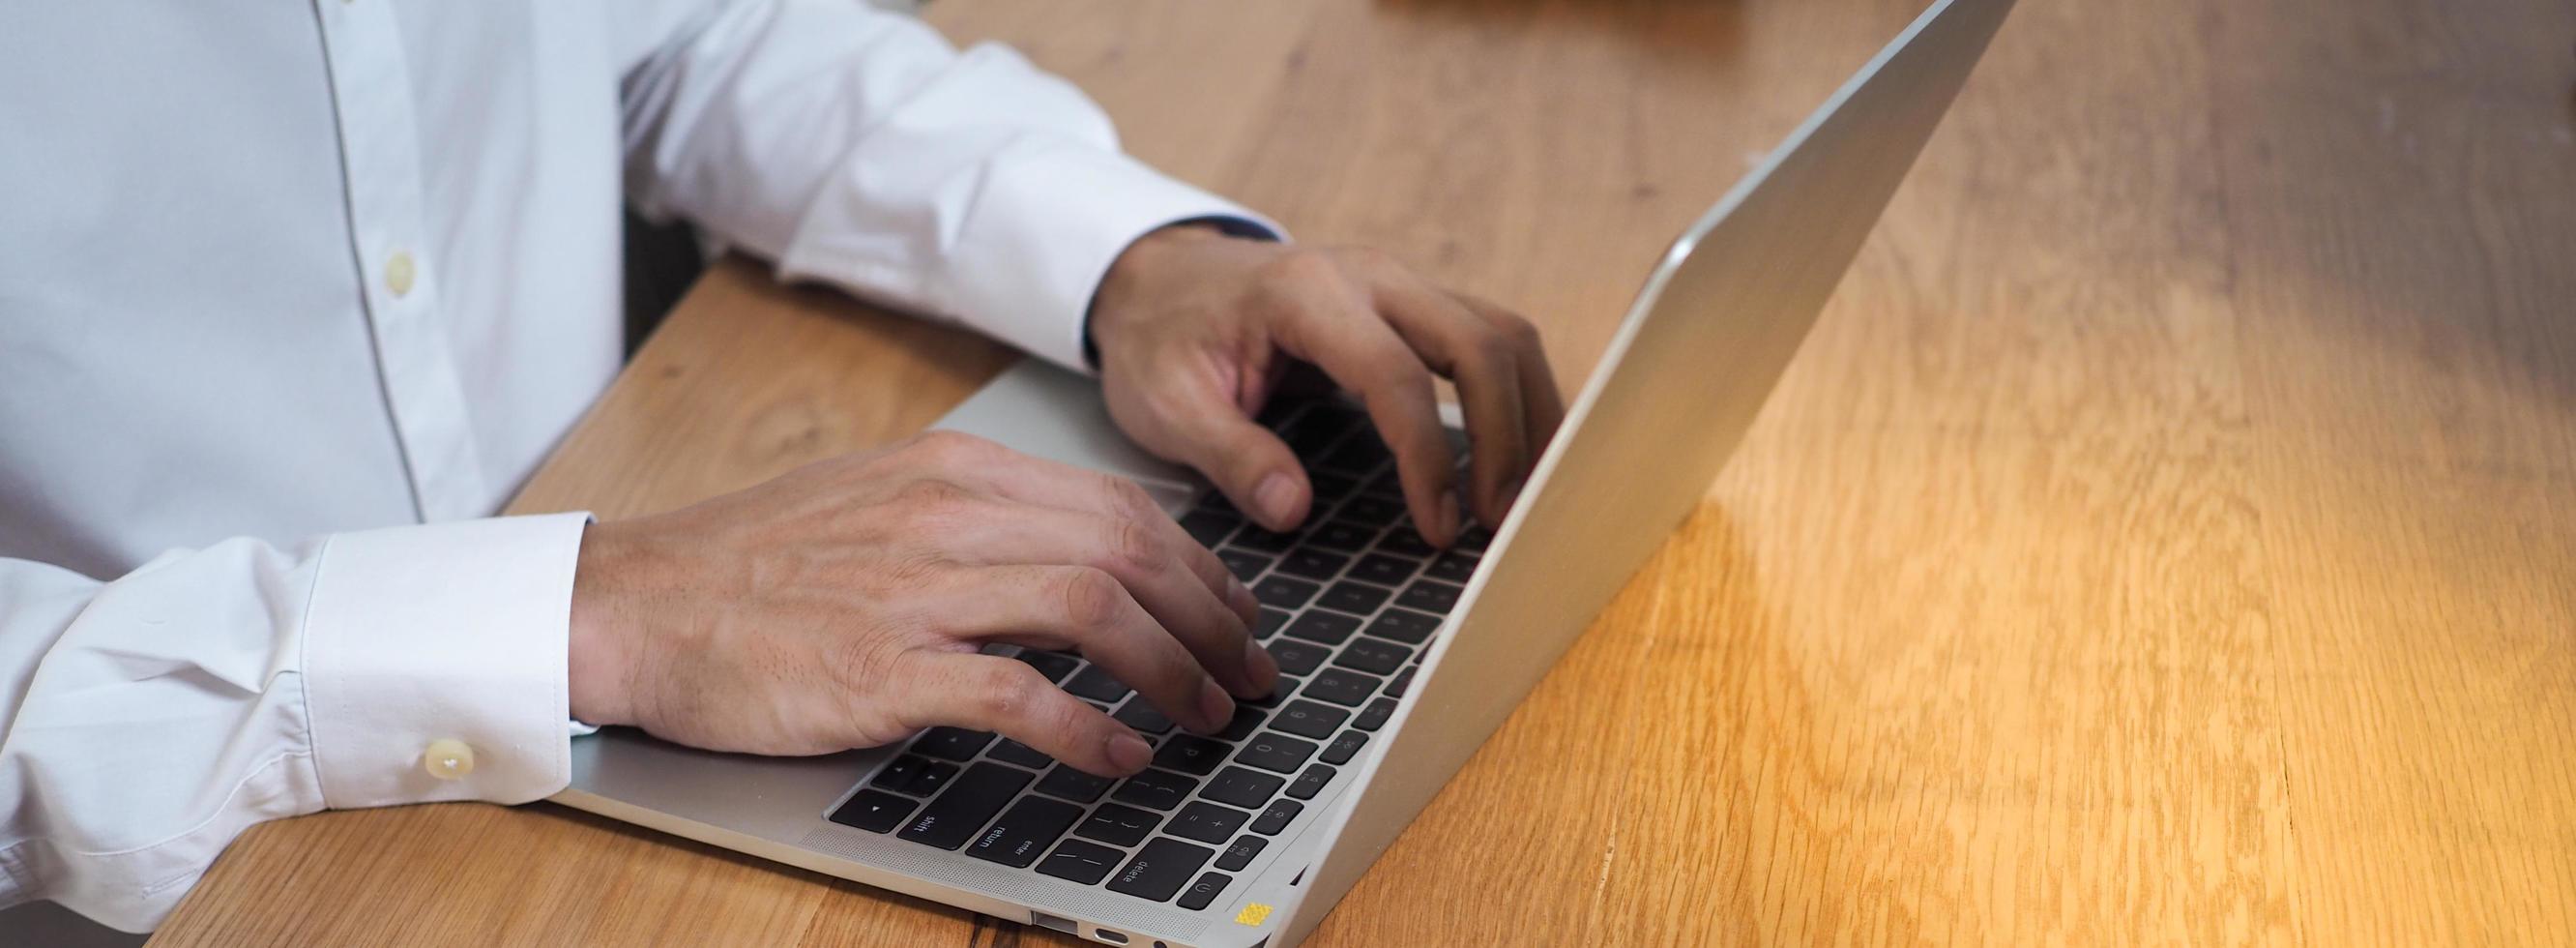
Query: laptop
pixel 1397 660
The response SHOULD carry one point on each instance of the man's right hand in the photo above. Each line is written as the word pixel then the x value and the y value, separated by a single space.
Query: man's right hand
pixel 843 604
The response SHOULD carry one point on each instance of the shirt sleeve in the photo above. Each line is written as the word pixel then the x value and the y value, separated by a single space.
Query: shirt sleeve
pixel 152 718
pixel 859 148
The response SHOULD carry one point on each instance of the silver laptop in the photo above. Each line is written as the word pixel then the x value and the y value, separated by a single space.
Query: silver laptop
pixel 1397 660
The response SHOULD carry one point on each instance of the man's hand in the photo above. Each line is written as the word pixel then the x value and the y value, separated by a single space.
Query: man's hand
pixel 842 606
pixel 1195 328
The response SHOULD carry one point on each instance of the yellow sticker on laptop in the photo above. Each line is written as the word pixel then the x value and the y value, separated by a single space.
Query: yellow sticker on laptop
pixel 1253 914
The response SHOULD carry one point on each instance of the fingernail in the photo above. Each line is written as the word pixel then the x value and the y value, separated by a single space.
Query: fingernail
pixel 1214 705
pixel 1277 498
pixel 1258 666
pixel 1449 516
pixel 1130 752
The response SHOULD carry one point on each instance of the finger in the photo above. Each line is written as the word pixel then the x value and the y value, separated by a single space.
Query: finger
pixel 1005 696
pixel 1196 425
pixel 1324 321
pixel 1149 556
pixel 1457 343
pixel 1544 406
pixel 993 469
pixel 1078 607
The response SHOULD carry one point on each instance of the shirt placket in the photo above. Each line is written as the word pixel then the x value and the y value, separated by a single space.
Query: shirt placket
pixel 380 158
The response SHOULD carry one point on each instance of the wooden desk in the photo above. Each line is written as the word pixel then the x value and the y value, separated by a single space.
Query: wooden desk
pixel 2168 535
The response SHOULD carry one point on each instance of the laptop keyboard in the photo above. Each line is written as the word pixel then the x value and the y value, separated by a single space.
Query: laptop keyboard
pixel 1347 604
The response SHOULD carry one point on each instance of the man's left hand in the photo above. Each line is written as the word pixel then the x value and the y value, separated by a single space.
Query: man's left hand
pixel 1195 329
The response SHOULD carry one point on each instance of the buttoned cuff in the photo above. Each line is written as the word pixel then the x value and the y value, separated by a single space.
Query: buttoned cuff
pixel 452 635
pixel 1046 229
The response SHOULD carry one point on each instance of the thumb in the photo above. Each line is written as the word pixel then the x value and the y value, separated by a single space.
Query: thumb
pixel 1251 466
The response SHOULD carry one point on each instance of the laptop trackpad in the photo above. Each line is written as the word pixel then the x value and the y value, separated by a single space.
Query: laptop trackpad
pixel 1041 409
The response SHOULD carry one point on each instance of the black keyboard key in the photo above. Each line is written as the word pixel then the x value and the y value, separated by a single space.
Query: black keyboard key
pixel 1276 752
pixel 1160 869
pixel 1402 682
pixel 1054 665
pixel 1248 789
pixel 1244 564
pixel 1452 567
pixel 1384 570
pixel 1308 719
pixel 1344 747
pixel 1207 822
pixel 1356 456
pixel 1313 564
pixel 876 811
pixel 1404 625
pixel 1297 658
pixel 1118 825
pixel 1376 715
pixel 1388 485
pixel 1317 429
pixel 1241 853
pixel 1371 509
pixel 1256 537
pixel 1272 620
pixel 1276 818
pixel 1473 539
pixel 1342 686
pixel 952 819
pixel 1024 831
pixel 1245 721
pixel 919 776
pixel 1081 862
pixel 1346 535
pixel 1375 656
pixel 1311 782
pixel 1329 487
pixel 1190 754
pixel 1358 599
pixel 1402 541
pixel 953 743
pixel 1073 785
pixel 1157 789
pixel 1329 628
pixel 1094 682
pixel 1430 596
pixel 1205 891
pixel 1209 527
pixel 1278 693
pixel 900 772
pixel 1284 592
pixel 1139 714
pixel 1014 752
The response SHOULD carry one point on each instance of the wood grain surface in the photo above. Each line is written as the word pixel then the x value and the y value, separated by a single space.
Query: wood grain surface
pixel 2167 536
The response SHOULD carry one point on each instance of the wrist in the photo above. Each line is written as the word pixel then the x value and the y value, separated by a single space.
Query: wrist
pixel 1131 275
pixel 596 659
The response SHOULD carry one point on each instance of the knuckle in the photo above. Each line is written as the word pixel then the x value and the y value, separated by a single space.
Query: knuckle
pixel 943 446
pixel 1130 546
pixel 1519 332
pixel 1006 694
pixel 1090 597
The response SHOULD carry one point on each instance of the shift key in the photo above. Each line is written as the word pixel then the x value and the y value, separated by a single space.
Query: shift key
pixel 1160 869
pixel 1028 829
pixel 969 803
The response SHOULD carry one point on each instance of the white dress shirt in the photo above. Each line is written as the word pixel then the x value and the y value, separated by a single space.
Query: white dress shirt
pixel 292 293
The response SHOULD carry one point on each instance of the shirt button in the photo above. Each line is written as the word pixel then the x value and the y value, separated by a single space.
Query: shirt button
pixel 398 273
pixel 448 759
